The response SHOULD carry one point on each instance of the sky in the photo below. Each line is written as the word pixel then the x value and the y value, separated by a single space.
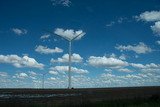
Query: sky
pixel 118 43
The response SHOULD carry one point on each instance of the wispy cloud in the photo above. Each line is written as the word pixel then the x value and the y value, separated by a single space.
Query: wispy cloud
pixel 45 36
pixel 66 3
pixel 19 31
pixel 45 50
pixel 140 48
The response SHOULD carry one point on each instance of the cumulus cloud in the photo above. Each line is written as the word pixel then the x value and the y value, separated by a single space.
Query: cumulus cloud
pixel 19 62
pixel 65 58
pixel 104 61
pixel 149 16
pixel 19 31
pixel 63 69
pixel 45 36
pixel 69 33
pixel 45 50
pixel 140 48
pixel 156 28
pixel 65 3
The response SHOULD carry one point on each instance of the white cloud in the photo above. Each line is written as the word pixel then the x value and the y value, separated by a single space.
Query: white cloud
pixel 104 61
pixel 21 75
pixel 69 33
pixel 19 31
pixel 158 42
pixel 74 58
pixel 45 36
pixel 147 66
pixel 3 74
pixel 53 72
pixel 125 70
pixel 46 50
pixel 19 62
pixel 65 3
pixel 52 79
pixel 156 28
pixel 149 16
pixel 141 48
pixel 63 69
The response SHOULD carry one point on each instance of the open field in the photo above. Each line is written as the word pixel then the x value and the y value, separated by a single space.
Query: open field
pixel 98 97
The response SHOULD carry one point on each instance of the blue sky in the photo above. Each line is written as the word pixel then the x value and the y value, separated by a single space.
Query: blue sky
pixel 119 45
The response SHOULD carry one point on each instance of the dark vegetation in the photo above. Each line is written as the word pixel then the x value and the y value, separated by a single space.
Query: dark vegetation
pixel 102 97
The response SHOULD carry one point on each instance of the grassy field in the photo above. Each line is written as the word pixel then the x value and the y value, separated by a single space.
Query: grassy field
pixel 94 97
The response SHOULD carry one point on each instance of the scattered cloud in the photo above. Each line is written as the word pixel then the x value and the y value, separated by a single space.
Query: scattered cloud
pixel 149 16
pixel 19 62
pixel 120 20
pixel 158 42
pixel 45 36
pixel 125 70
pixel 65 58
pixel 147 66
pixel 66 3
pixel 156 28
pixel 19 31
pixel 63 69
pixel 140 48
pixel 53 72
pixel 69 33
pixel 45 50
pixel 3 74
pixel 21 75
pixel 107 62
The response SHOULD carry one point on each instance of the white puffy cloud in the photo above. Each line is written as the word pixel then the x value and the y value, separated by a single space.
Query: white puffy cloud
pixel 19 62
pixel 69 33
pixel 63 69
pixel 65 3
pixel 140 48
pixel 149 16
pixel 21 75
pixel 104 61
pixel 19 31
pixel 156 28
pixel 45 36
pixel 158 42
pixel 65 58
pixel 53 72
pixel 45 50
